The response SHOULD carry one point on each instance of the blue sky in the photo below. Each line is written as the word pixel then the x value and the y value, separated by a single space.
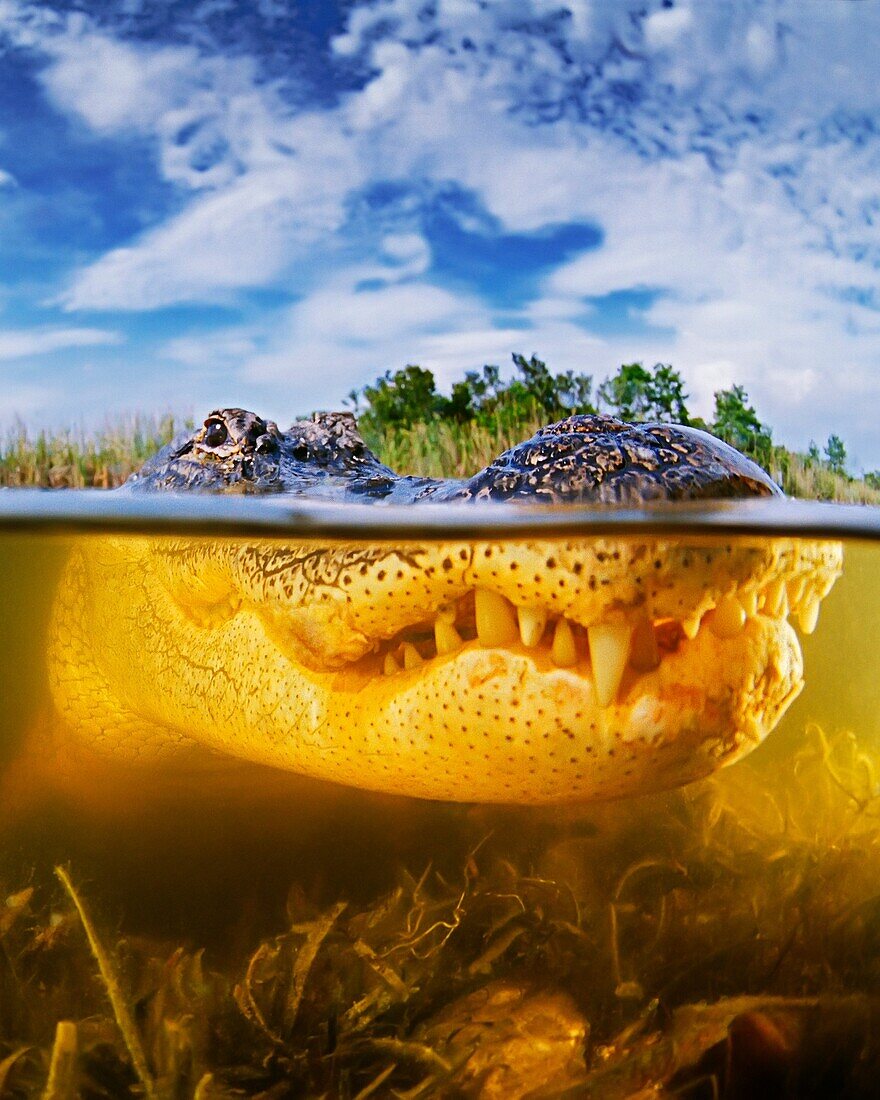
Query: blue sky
pixel 268 204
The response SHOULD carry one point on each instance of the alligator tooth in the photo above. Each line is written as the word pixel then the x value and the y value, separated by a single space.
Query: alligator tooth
pixel 496 621
pixel 691 626
pixel 391 666
pixel 808 613
pixel 827 584
pixel 795 590
pixel 644 654
pixel 411 656
pixel 776 599
pixel 728 618
pixel 609 651
pixel 446 636
pixel 532 621
pixel 563 652
pixel 749 600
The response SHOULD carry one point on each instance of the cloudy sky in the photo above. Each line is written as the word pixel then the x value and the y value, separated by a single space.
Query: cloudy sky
pixel 267 203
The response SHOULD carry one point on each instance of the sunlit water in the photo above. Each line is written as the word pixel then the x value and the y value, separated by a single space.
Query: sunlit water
pixel 759 881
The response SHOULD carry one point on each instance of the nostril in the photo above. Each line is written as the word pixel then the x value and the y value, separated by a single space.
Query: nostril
pixel 265 444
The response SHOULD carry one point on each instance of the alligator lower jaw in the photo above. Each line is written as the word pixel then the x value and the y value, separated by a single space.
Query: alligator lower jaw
pixel 509 725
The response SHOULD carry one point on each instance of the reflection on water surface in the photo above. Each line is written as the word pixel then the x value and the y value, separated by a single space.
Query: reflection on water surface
pixel 359 938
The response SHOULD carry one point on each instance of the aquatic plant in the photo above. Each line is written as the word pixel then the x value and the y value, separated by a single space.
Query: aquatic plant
pixel 724 936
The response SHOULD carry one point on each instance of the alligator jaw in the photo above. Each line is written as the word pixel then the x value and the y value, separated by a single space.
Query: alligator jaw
pixel 615 651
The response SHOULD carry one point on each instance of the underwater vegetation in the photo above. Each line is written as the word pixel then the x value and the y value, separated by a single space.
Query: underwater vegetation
pixel 722 940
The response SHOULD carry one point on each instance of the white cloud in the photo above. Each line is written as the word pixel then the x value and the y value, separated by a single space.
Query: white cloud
pixel 113 86
pixel 33 342
pixel 23 401
pixel 664 28
pixel 243 235
pixel 340 329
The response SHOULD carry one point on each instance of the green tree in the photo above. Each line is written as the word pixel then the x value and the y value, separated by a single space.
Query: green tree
pixel 635 393
pixel 402 399
pixel 667 396
pixel 537 392
pixel 737 423
pixel 836 454
pixel 627 392
pixel 409 396
pixel 813 455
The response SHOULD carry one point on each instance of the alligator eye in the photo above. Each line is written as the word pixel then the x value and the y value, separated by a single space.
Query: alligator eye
pixel 215 433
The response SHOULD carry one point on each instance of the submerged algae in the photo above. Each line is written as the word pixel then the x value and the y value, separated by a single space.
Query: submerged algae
pixel 720 941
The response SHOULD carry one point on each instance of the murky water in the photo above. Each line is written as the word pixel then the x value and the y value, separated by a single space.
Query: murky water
pixel 356 937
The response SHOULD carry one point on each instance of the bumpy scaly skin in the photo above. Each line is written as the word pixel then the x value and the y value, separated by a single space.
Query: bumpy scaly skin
pixel 337 661
pixel 594 459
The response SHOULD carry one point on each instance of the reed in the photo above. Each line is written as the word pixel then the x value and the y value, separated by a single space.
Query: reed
pixel 444 448
pixel 78 459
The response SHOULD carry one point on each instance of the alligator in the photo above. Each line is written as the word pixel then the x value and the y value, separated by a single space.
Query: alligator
pixel 482 669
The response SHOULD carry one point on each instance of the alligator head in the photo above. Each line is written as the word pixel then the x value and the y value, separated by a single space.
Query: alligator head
pixel 525 670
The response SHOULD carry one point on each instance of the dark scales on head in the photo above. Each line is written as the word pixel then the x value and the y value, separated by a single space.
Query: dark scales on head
pixel 582 459
pixel 600 459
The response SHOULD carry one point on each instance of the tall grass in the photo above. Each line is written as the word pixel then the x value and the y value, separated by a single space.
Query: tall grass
pixel 802 477
pixel 444 448
pixel 78 459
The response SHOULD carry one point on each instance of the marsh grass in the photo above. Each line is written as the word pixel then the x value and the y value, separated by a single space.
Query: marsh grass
pixel 444 448
pixel 642 937
pixel 801 477
pixel 76 459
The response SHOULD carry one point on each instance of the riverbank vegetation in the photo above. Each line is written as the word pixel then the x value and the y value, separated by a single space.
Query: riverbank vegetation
pixel 417 429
